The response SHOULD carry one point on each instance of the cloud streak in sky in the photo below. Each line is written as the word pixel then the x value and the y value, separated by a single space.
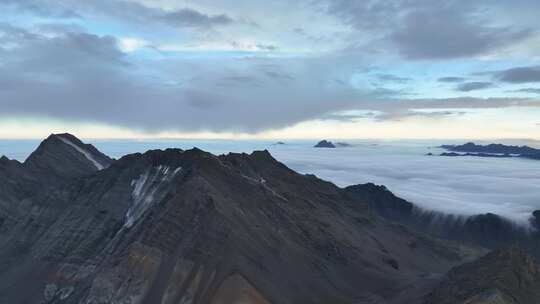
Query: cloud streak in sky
pixel 473 86
pixel 520 75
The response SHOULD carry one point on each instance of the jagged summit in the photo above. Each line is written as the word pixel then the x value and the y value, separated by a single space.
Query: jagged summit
pixel 67 151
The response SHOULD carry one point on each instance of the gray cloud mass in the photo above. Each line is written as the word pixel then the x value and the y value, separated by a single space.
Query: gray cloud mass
pixel 473 86
pixel 130 11
pixel 451 79
pixel 69 64
pixel 519 75
pixel 423 29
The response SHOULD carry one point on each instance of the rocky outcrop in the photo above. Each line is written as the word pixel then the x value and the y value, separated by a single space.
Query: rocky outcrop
pixel 381 201
pixel 535 220
pixel 324 144
pixel 454 154
pixel 179 226
pixel 491 150
pixel 502 277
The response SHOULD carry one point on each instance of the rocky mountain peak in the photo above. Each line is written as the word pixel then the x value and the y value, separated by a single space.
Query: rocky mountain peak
pixel 6 162
pixel 62 156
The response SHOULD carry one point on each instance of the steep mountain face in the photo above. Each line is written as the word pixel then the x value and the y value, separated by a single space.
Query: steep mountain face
pixel 63 156
pixel 502 277
pixel 381 201
pixel 58 160
pixel 179 226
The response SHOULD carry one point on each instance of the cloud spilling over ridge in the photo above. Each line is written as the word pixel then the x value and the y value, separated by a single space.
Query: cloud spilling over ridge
pixel 464 185
pixel 455 185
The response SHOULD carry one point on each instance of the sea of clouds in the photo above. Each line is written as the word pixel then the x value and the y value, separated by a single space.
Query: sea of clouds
pixel 456 185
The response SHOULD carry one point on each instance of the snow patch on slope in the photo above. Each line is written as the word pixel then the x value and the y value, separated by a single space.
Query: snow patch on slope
pixel 86 154
pixel 146 189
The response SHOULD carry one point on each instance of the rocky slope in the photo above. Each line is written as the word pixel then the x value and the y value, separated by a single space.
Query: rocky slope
pixel 179 226
pixel 58 161
pixel 502 277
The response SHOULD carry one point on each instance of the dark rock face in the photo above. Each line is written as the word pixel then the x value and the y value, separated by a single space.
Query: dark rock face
pixel 381 201
pixel 324 144
pixel 179 226
pixel 59 160
pixel 64 156
pixel 535 220
pixel 501 277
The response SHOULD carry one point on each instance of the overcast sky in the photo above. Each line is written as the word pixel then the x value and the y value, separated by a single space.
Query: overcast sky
pixel 279 69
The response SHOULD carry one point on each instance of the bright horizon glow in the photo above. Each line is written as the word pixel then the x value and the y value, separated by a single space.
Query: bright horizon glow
pixel 460 127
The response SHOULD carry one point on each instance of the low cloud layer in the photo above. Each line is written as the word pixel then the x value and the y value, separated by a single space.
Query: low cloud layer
pixel 463 185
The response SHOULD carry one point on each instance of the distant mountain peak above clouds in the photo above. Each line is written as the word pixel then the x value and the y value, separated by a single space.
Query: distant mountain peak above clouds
pixel 491 150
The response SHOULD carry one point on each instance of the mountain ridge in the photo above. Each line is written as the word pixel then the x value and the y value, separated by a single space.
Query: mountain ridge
pixel 192 225
pixel 186 226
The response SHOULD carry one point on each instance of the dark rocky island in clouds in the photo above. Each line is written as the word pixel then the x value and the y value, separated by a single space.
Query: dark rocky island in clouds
pixel 324 144
pixel 491 150
pixel 328 144
pixel 175 226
